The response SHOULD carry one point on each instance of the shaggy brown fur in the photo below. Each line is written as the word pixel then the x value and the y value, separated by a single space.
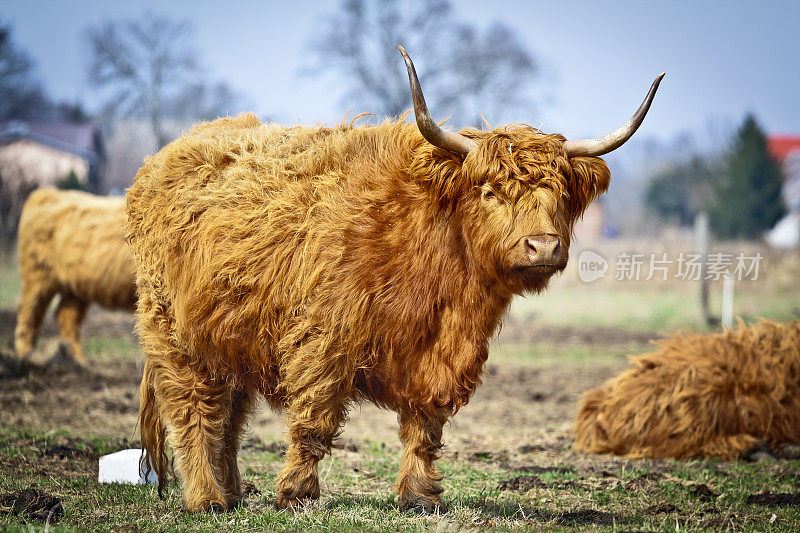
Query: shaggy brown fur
pixel 714 395
pixel 71 243
pixel 324 266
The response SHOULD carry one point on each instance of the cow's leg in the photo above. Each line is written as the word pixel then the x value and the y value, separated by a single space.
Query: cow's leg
pixel 730 447
pixel 241 405
pixel 314 418
pixel 197 410
pixel 69 316
pixel 37 291
pixel 418 482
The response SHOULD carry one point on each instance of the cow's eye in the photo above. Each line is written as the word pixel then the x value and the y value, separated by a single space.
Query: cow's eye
pixel 488 194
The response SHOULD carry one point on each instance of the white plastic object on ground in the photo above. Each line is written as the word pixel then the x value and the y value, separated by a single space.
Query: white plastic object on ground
pixel 123 467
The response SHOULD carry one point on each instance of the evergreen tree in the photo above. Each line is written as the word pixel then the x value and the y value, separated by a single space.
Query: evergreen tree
pixel 71 182
pixel 747 194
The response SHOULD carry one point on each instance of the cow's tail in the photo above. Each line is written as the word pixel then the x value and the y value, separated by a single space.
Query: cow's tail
pixel 154 456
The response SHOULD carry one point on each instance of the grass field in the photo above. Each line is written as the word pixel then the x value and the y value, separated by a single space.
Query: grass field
pixel 485 489
pixel 650 307
pixel 509 462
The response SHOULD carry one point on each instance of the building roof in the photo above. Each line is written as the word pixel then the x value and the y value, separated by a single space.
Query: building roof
pixel 782 146
pixel 79 139
pixel 786 149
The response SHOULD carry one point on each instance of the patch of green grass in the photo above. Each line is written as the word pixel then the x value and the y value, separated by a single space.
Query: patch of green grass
pixel 24 441
pixel 9 281
pixel 550 477
pixel 96 348
pixel 651 307
pixel 111 349
pixel 14 434
pixel 545 353
pixel 608 305
pixel 357 495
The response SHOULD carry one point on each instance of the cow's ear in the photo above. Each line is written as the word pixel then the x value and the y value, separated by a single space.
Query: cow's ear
pixel 590 179
pixel 440 172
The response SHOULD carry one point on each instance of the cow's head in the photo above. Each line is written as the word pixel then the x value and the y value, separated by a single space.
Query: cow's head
pixel 515 191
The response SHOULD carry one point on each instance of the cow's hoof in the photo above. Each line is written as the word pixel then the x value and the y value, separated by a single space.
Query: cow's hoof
pixel 207 506
pixel 292 503
pixel 761 452
pixel 64 360
pixel 421 504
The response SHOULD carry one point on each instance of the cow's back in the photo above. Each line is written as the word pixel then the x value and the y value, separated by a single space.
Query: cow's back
pixel 227 224
pixel 78 239
pixel 250 240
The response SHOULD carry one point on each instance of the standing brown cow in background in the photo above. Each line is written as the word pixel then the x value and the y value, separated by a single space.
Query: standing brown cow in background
pixel 70 243
pixel 324 266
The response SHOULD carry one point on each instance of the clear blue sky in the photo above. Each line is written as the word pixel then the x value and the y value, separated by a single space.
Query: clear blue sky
pixel 722 58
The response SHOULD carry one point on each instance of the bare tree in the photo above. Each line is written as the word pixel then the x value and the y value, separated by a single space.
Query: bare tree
pixel 151 70
pixel 464 70
pixel 141 62
pixel 205 101
pixel 21 95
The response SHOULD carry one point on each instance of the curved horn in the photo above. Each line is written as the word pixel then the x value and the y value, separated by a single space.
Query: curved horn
pixel 427 126
pixel 615 139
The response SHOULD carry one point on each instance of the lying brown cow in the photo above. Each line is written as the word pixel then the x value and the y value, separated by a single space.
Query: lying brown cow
pixel 70 243
pixel 714 395
pixel 324 266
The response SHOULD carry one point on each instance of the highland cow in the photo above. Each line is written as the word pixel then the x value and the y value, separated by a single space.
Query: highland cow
pixel 715 395
pixel 324 266
pixel 71 243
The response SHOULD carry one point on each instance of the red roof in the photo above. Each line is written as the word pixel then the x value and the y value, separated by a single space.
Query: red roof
pixel 780 146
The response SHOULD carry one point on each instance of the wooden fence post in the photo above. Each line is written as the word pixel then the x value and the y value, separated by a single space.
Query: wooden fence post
pixel 701 245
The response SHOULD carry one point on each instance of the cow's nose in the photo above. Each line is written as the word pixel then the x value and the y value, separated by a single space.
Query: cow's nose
pixel 543 250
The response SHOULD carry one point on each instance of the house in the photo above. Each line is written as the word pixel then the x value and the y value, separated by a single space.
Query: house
pixel 786 150
pixel 43 153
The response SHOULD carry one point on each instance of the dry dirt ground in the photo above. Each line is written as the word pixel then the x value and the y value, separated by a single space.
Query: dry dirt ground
pixel 518 404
